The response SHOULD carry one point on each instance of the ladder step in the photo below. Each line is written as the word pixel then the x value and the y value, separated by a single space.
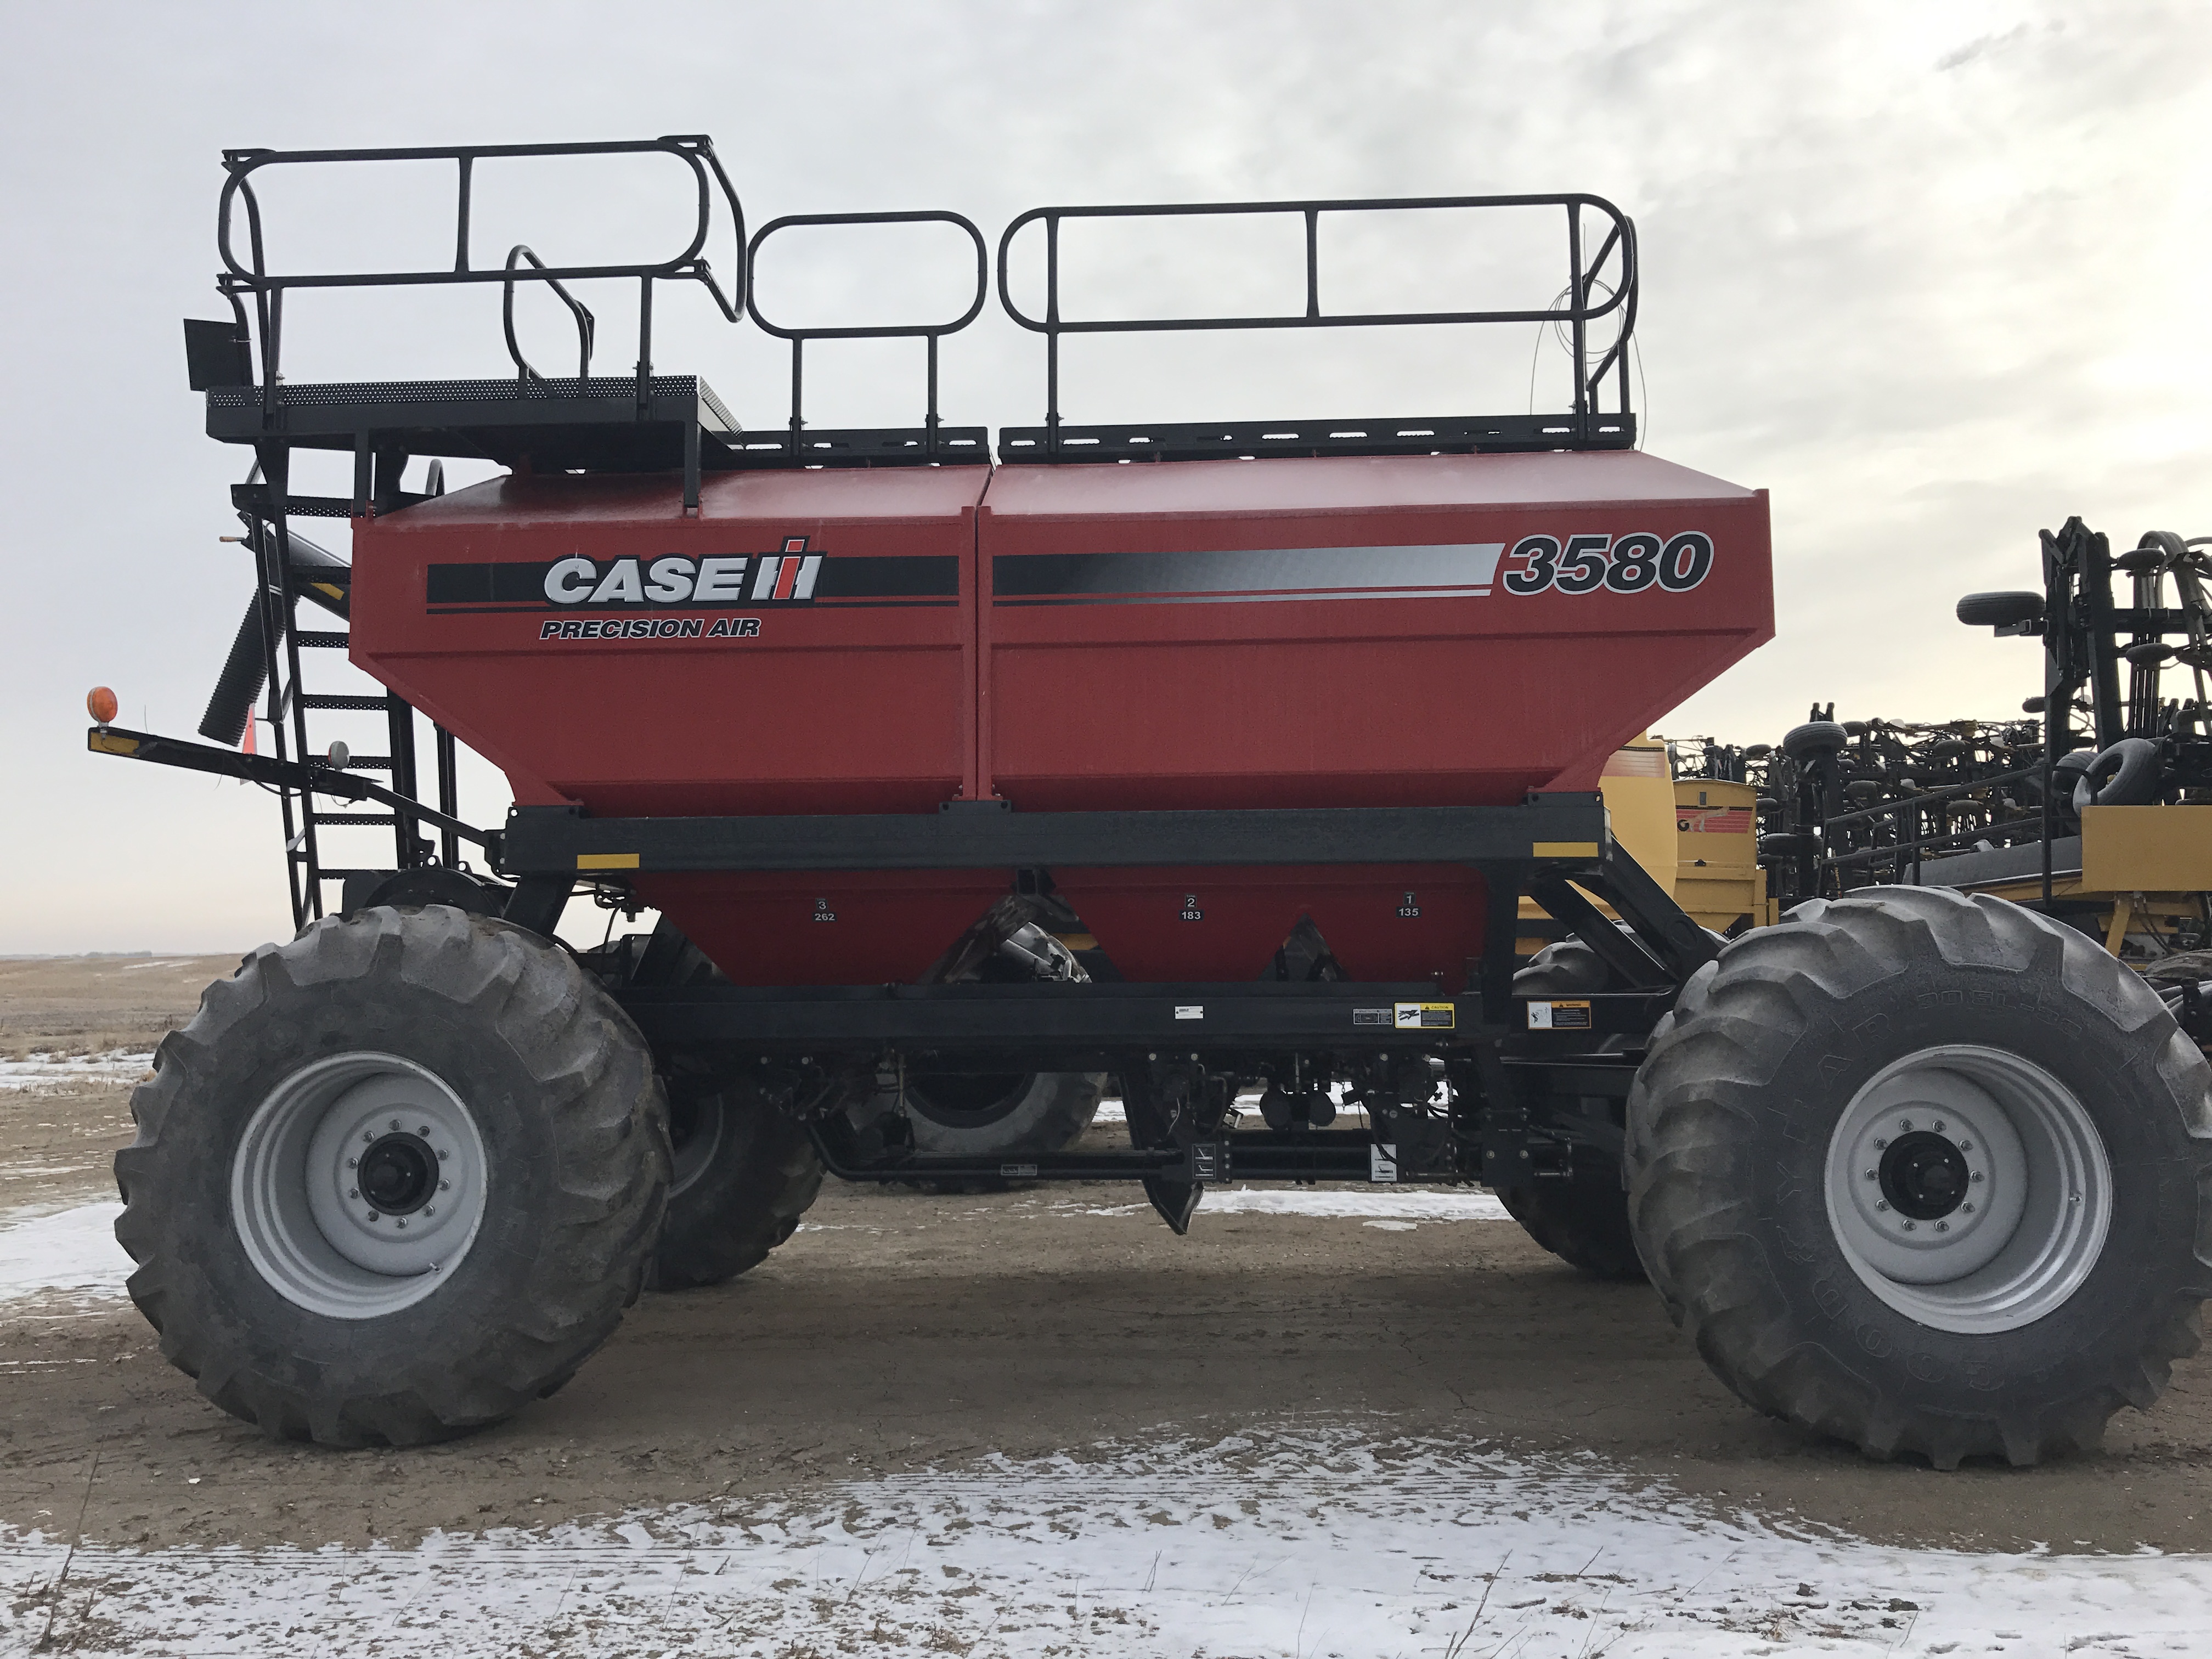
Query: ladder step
pixel 353 820
pixel 312 639
pixel 369 763
pixel 358 705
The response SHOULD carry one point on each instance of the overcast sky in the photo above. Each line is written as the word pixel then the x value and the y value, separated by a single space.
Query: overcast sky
pixel 1935 274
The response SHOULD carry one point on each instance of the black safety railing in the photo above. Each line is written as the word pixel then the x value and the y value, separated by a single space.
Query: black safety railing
pixel 930 333
pixel 249 280
pixel 1601 286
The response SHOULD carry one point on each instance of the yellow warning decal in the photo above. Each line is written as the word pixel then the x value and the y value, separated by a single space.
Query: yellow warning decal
pixel 607 861
pixel 1558 1017
pixel 107 743
pixel 1423 1016
pixel 1565 849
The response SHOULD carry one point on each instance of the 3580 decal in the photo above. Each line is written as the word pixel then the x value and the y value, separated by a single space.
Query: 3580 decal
pixel 1625 564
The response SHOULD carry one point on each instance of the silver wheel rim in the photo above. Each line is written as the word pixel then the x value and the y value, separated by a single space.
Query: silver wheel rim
pixel 1969 1189
pixel 355 1120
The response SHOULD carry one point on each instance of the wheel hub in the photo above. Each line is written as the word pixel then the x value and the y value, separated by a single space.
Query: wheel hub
pixel 399 1174
pixel 1924 1175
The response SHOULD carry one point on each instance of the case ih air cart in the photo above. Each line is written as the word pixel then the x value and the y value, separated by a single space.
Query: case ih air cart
pixel 1217 758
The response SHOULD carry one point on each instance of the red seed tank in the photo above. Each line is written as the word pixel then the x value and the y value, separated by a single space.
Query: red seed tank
pixel 1339 631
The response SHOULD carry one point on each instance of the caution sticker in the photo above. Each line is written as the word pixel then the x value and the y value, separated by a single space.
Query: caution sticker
pixel 1423 1016
pixel 1558 1015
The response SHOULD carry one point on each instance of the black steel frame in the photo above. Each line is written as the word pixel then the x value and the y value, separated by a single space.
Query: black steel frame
pixel 1557 847
pixel 1587 427
pixel 1536 1086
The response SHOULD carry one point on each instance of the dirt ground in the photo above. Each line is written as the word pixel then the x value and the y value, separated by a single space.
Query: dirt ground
pixel 898 1331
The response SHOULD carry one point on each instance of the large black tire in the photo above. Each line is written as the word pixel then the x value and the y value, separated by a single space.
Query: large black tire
pixel 1003 1116
pixel 1802 1052
pixel 1815 738
pixel 2125 775
pixel 745 1173
pixel 1581 1217
pixel 1009 1115
pixel 543 1098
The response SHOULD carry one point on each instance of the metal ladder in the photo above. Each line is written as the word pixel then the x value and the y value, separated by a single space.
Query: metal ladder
pixel 289 566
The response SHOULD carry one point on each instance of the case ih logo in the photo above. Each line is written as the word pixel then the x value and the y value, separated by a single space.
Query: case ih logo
pixel 664 583
pixel 790 574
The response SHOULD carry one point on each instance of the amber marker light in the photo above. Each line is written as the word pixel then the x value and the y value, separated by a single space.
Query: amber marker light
pixel 100 704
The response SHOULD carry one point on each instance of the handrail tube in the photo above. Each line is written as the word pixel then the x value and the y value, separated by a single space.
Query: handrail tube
pixel 586 325
pixel 1578 312
pixel 929 332
pixel 871 331
pixel 1052 215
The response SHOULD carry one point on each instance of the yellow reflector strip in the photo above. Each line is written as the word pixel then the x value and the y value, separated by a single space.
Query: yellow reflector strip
pixel 1565 849
pixel 607 861
pixel 106 742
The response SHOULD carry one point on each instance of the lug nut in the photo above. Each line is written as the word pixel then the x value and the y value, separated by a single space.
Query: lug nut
pixel 1902 1123
pixel 443 1155
pixel 1879 1143
pixel 1965 1146
pixel 1873 1175
pixel 1908 1225
pixel 403 1221
pixel 353 1164
pixel 395 1123
pixel 353 1192
pixel 1978 1175
pixel 1882 1204
pixel 425 1131
pixel 427 1210
pixel 444 1184
pixel 373 1216
pixel 369 1134
pixel 1942 1226
pixel 1968 1209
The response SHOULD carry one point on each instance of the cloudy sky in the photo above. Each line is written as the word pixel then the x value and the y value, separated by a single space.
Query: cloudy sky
pixel 1935 274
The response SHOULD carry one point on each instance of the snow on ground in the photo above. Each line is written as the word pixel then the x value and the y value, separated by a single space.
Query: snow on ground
pixel 72 1253
pixel 42 1071
pixel 1403 1205
pixel 1333 1540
